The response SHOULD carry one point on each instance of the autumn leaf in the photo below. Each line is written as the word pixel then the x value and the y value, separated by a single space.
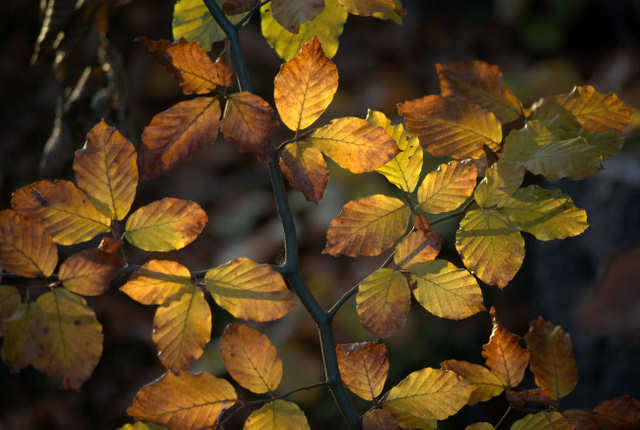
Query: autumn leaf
pixel 249 291
pixel 183 401
pixel 504 355
pixel 9 302
pixel 367 226
pixel 480 426
pixel 383 302
pixel 233 7
pixel 165 225
pixel 545 420
pixel 363 367
pixel 367 7
pixel 378 419
pixel 292 13
pixel 408 421
pixel 89 272
pixel 193 21
pixel 501 180
pixel 417 247
pixel 140 426
pixel 447 187
pixel 622 413
pixel 305 169
pixel 623 408
pixel 21 331
pixel 486 385
pixel 550 113
pixel 451 127
pixel 248 121
pixel 277 415
pixel 157 282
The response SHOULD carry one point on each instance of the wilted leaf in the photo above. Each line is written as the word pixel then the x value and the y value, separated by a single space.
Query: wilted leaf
pixel 277 415
pixel 355 144
pixel 596 111
pixel 447 187
pixel 501 180
pixel 367 7
pixel 165 225
pixel 250 358
pixel 367 226
pixel 519 399
pixel 428 394
pixel 89 272
pixel 446 290
pixel 292 13
pixel 486 384
pixel 378 419
pixel 64 211
pixel 504 355
pixel 305 169
pixel 157 281
pixel 480 426
pixel 479 83
pixel 383 302
pixel 106 169
pixel 193 21
pixel 417 247
pixel 247 122
pixel 183 401
pixel 327 26
pixel 249 291
pixel 25 248
pixel 9 301
pixel 546 420
pixel 451 127
pixel 304 87
pixel 363 367
pixel 22 343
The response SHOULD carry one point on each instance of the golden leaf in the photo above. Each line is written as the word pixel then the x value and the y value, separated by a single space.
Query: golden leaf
pixel 447 187
pixel 157 282
pixel 596 111
pixel 417 247
pixel 546 420
pixel 486 384
pixel 363 367
pixel 480 426
pixel 504 355
pixel 247 122
pixel 89 272
pixel 305 169
pixel 277 415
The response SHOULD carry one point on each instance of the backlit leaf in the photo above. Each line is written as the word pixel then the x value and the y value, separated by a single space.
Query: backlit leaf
pixel 193 21
pixel 501 180
pixel 64 211
pixel 183 401
pixel 552 360
pixel 504 355
pixel 71 338
pixel 479 83
pixel 378 419
pixel 304 87
pixel 417 247
pixel 383 302
pixel 451 127
pixel 546 420
pixel 428 394
pixel 355 144
pixel 292 13
pixel 446 290
pixel 165 225
pixel 367 226
pixel 596 111
pixel 22 344
pixel 447 187
pixel 25 248
pixel 486 384
pixel 247 122
pixel 367 7
pixel 277 415
pixel 89 272
pixel 140 426
pixel 327 26
pixel 157 282
pixel 106 169
pixel 9 301
pixel 175 134
pixel 305 169
pixel 408 421
pixel 550 113
pixel 363 367
pixel 490 246
pixel 249 290
pixel 480 426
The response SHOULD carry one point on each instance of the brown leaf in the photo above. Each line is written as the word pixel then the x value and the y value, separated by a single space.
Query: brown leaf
pixel 234 7
pixel 378 419
pixel 305 169
pixel 247 122
pixel 486 384
pixel 421 222
pixel 624 408
pixel 363 367
pixel 519 399
pixel 89 272
pixel 291 14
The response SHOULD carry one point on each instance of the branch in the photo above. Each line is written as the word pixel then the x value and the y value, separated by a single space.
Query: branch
pixel 285 395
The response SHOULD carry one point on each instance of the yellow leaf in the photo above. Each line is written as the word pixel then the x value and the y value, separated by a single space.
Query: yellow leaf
pixel 479 83
pixel 305 169
pixel 106 169
pixel 64 211
pixel 451 127
pixel 277 415
pixel 327 26
pixel 378 419
pixel 596 111
pixel 446 290
pixel 292 13
pixel 304 87
pixel 354 144
pixel 552 360
pixel 157 282
pixel 165 225
pixel 504 355
pixel 447 187
pixel 139 426
pixel 193 21
pixel 383 302
pixel 25 248
pixel 486 384
pixel 490 246
pixel 174 135
pixel 249 291
pixel 9 301
pixel 501 180
pixel 367 7
pixel 183 401
pixel 428 394
pixel 247 122
pixel 89 272
pixel 480 426
pixel 22 343
pixel 546 420
pixel 408 421
pixel 367 226
pixel 71 338
pixel 417 247
pixel 363 367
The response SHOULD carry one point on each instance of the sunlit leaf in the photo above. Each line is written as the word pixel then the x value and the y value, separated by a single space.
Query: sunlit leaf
pixel 247 122
pixel 25 248
pixel 165 225
pixel 22 344
pixel 64 211
pixel 9 301
pixel 428 394
pixel 490 245
pixel 157 281
pixel 89 272
pixel 292 13
pixel 250 358
pixel 378 419
pixel 504 355
pixel 447 187
pixel 451 127
pixel 480 83
pixel 367 7
pixel 446 290
pixel 383 302
pixel 193 21
pixel 183 401
pixel 501 180
pixel 408 421
pixel 327 26
pixel 417 247
pixel 249 290
pixel 363 367
pixel 304 87
pixel 277 415
pixel 106 169
pixel 367 226
pixel 486 384
pixel 546 420
pixel 480 426
pixel 305 169
pixel 355 144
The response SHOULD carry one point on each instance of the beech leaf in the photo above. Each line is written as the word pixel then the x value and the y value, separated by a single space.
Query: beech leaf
pixel 157 282
pixel 9 302
pixel 378 419
pixel 504 355
pixel 480 426
pixel 305 169
pixel 447 187
pixel 367 7
pixel 363 367
pixel 22 331
pixel 277 415
pixel 89 272
pixel 248 121
pixel 486 384
pixel 417 247
pixel 501 180
pixel 193 21
pixel 545 420
pixel 233 7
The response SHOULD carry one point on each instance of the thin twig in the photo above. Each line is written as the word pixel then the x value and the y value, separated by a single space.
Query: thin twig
pixel 250 13
pixel 285 395
pixel 497 426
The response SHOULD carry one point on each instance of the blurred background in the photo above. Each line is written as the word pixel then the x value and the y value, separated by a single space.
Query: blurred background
pixel 589 284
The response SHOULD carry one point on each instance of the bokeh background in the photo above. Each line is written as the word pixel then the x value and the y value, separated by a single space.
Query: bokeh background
pixel 589 284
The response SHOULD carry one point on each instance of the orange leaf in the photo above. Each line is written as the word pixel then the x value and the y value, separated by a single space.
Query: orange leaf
pixel 421 222
pixel 447 187
pixel 596 111
pixel 305 169
pixel 175 134
pixel 486 384
pixel 504 355
pixel 248 121
pixel 417 247
pixel 89 272
pixel 305 85
pixel 363 367
pixel 277 415
pixel 367 7
pixel 292 13
pixel 157 282
pixel 250 358
pixel 378 419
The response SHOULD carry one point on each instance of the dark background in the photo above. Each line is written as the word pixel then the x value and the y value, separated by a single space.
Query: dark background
pixel 589 284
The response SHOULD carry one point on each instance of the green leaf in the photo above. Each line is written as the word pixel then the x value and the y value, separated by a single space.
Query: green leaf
pixel 501 180
pixel 9 301
pixel 21 343
pixel 193 21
